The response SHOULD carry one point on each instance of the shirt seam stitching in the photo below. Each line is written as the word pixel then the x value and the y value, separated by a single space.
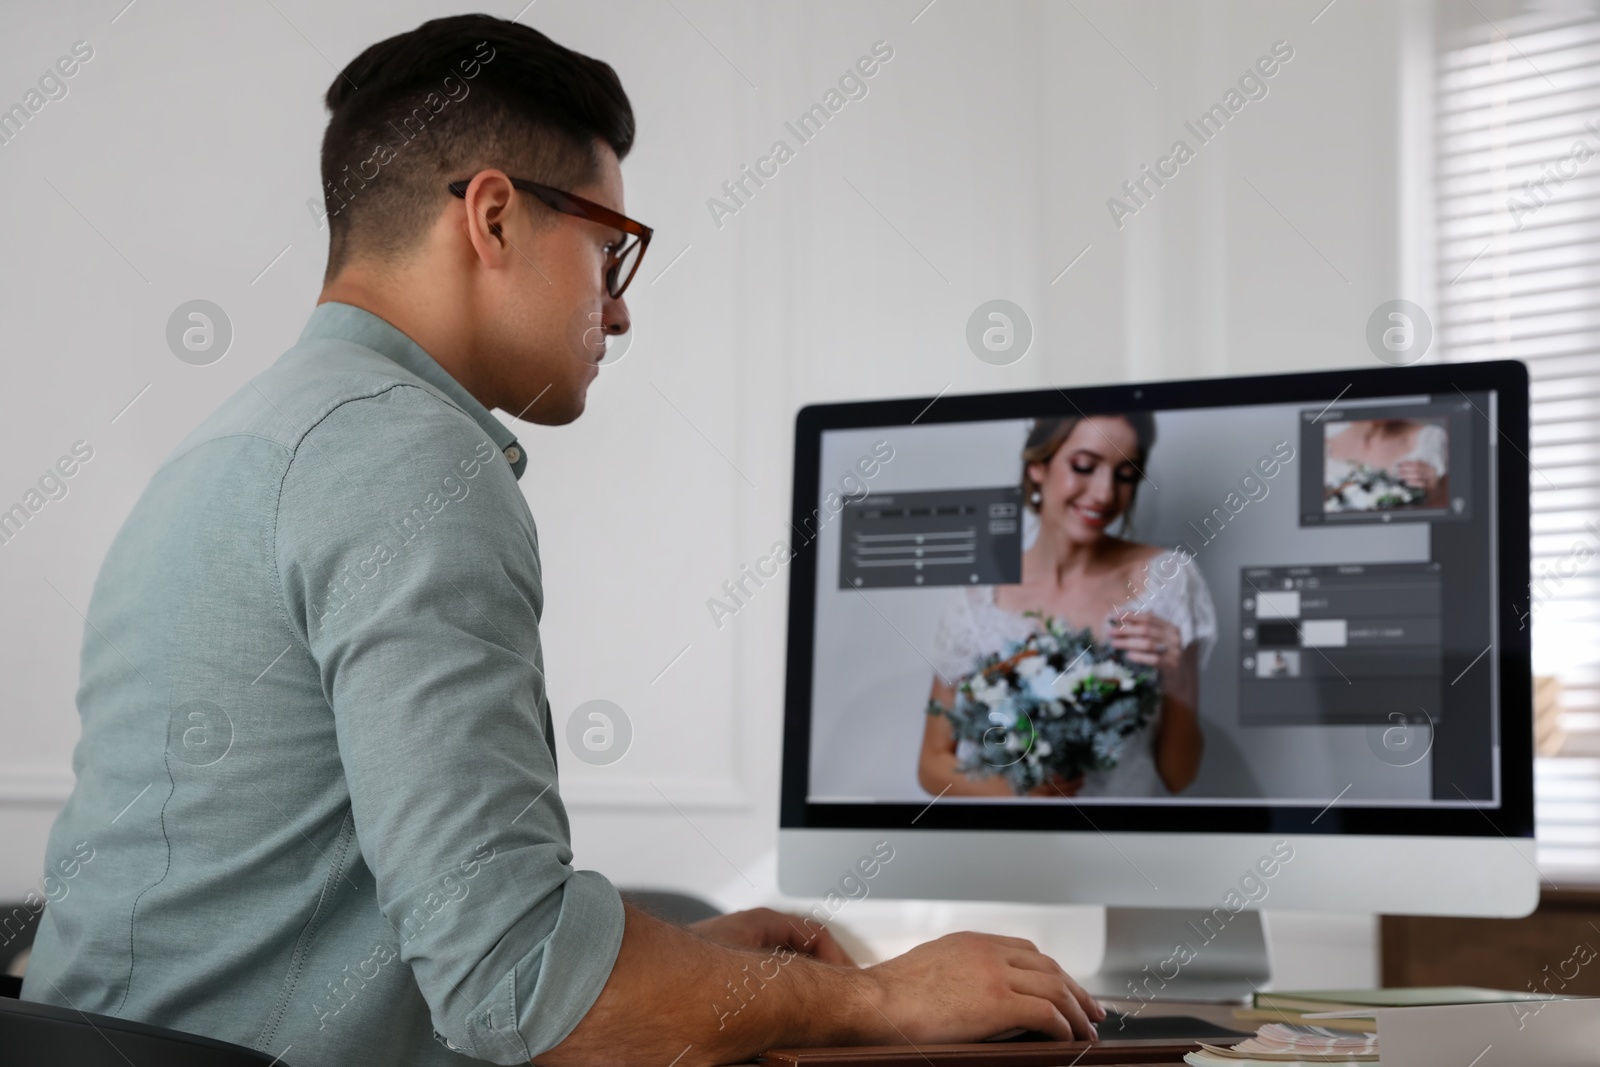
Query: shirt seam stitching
pixel 291 980
pixel 412 380
pixel 222 437
pixel 134 911
pixel 294 453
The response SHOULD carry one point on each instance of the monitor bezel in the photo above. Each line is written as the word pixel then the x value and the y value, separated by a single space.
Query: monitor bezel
pixel 1513 818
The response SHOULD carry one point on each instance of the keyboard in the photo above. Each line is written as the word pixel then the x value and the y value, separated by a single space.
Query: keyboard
pixel 1123 1026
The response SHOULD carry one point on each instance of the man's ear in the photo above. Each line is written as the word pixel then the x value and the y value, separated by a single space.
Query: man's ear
pixel 489 197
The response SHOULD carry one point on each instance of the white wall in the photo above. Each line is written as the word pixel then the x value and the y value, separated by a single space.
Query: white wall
pixel 978 166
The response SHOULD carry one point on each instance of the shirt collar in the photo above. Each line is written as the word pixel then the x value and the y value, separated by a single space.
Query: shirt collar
pixel 346 322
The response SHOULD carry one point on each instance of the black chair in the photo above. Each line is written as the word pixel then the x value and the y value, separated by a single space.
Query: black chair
pixel 18 924
pixel 43 1035
pixel 680 909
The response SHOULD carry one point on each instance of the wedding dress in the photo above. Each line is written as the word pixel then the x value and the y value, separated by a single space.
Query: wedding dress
pixel 974 626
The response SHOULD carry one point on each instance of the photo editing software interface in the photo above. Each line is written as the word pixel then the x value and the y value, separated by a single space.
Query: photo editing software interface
pixel 1328 573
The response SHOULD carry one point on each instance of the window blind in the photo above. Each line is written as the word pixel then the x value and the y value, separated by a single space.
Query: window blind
pixel 1517 225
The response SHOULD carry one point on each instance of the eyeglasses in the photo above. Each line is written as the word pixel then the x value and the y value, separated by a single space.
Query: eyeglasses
pixel 622 263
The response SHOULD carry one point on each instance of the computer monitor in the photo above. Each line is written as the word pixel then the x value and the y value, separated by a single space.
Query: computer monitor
pixel 1277 654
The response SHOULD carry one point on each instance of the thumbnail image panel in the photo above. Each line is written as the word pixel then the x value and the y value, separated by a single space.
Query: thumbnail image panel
pixel 1384 464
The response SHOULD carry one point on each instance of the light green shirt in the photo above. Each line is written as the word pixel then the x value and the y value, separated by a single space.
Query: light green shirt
pixel 316 782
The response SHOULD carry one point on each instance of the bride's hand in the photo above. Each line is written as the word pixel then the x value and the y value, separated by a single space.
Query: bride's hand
pixel 1417 474
pixel 1145 637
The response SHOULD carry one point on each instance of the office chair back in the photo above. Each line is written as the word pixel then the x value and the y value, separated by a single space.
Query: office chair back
pixel 43 1035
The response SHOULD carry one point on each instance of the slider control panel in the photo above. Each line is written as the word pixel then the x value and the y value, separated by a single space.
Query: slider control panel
pixel 948 537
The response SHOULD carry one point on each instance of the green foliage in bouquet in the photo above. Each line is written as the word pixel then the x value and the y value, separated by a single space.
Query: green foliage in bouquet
pixel 1055 703
pixel 1368 488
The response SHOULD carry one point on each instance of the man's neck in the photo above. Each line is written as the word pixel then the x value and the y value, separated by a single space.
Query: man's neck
pixel 422 312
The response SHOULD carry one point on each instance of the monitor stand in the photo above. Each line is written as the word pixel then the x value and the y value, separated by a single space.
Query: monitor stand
pixel 1177 954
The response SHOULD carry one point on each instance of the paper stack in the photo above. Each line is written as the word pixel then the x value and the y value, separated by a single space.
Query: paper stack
pixel 1425 1027
pixel 1285 1044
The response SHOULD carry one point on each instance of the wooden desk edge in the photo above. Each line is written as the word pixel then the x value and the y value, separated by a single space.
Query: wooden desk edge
pixel 987 1054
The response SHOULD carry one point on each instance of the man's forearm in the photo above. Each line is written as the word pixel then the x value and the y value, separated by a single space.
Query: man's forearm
pixel 674 993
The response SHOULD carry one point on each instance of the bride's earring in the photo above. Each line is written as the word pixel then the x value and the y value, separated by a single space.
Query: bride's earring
pixel 1036 498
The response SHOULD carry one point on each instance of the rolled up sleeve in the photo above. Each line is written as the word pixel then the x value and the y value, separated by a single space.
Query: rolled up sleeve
pixel 410 564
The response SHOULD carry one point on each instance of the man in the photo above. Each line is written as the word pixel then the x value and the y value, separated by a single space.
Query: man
pixel 317 777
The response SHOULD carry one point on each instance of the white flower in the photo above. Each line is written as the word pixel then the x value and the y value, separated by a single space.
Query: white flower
pixel 1113 669
pixel 1029 666
pixel 1067 682
pixel 990 692
pixel 1042 686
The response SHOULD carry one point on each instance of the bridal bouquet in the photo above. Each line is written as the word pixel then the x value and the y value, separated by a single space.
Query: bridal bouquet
pixel 1054 703
pixel 1370 489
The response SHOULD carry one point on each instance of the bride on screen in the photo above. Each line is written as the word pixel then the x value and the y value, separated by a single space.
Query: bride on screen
pixel 1079 476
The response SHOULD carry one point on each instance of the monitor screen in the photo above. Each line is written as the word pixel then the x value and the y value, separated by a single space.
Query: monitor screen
pixel 1219 604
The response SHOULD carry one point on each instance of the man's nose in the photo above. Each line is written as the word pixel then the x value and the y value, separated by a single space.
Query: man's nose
pixel 614 320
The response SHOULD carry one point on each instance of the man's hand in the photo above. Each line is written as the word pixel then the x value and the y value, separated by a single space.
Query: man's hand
pixel 763 928
pixel 967 987
pixel 677 995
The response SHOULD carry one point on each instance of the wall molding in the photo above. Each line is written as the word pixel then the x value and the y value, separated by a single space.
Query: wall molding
pixel 663 792
pixel 30 786
pixel 21 785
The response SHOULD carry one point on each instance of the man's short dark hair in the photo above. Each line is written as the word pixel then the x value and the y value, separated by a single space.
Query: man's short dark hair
pixel 449 98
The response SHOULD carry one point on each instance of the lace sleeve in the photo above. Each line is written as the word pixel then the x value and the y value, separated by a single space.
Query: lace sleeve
pixel 955 640
pixel 1189 607
pixel 1432 448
